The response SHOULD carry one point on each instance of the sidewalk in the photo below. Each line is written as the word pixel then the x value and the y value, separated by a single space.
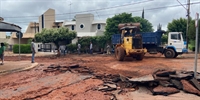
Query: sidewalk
pixel 14 66
pixel 38 54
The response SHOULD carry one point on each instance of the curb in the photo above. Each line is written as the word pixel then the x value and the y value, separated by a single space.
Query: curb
pixel 18 69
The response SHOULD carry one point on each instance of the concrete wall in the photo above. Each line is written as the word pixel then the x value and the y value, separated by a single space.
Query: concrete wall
pixel 70 27
pixel 48 19
pixel 31 29
pixel 85 20
pixel 100 33
pixel 13 41
pixel 94 27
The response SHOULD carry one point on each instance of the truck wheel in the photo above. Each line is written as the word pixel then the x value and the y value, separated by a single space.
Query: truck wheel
pixel 120 54
pixel 169 53
pixel 140 57
pixel 175 55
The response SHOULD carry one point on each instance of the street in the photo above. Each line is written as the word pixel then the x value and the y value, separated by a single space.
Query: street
pixel 82 83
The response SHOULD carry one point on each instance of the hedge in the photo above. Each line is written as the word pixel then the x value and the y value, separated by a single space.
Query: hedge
pixel 24 48
pixel 71 47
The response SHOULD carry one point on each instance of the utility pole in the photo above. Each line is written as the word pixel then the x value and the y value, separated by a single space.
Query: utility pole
pixel 196 44
pixel 188 17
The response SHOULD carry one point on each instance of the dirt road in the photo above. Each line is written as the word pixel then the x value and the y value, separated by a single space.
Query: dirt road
pixel 39 85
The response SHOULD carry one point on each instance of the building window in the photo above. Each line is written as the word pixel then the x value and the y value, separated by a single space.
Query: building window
pixel 81 26
pixel 98 26
pixel 72 27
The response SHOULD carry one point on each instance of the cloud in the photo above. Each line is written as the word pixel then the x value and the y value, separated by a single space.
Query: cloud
pixel 32 9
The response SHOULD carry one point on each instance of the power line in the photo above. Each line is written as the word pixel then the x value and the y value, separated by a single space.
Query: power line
pixel 87 10
pixel 181 4
pixel 155 8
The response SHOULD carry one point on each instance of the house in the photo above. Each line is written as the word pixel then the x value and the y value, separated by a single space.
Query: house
pixel 46 20
pixel 85 25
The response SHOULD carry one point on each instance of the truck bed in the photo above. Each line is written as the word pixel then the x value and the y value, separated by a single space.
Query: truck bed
pixel 152 38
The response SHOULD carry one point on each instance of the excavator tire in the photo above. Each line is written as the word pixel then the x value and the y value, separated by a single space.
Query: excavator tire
pixel 120 53
pixel 140 57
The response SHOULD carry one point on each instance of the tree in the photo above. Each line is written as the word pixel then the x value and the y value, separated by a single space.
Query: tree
pixel 143 13
pixel 178 25
pixel 97 41
pixel 112 23
pixel 145 25
pixel 192 30
pixel 55 36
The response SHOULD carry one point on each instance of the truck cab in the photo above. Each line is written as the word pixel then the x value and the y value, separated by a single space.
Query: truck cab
pixel 176 45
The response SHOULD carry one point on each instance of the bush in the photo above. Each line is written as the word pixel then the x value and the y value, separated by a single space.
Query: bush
pixel 29 41
pixel 24 48
pixel 97 41
pixel 71 47
pixel 191 45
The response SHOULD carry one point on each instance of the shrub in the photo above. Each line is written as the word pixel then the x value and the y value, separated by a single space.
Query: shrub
pixel 97 41
pixel 71 47
pixel 191 45
pixel 24 48
pixel 29 41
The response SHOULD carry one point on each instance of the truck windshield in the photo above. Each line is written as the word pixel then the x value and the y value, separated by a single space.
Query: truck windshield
pixel 176 36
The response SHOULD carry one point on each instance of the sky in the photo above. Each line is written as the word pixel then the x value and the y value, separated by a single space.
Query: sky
pixel 22 12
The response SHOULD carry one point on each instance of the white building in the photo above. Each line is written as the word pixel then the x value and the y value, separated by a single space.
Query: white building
pixel 85 25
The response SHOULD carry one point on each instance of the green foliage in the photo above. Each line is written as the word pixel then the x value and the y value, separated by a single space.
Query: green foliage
pixel 192 30
pixel 191 44
pixel 178 25
pixel 145 25
pixel 164 38
pixel 71 47
pixel 85 42
pixel 24 48
pixel 101 41
pixel 29 41
pixel 143 13
pixel 97 41
pixel 55 35
pixel 112 23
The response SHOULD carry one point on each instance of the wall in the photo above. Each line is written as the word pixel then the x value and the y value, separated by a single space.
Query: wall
pixel 49 19
pixel 94 27
pixel 31 29
pixel 69 27
pixel 3 35
pixel 86 20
